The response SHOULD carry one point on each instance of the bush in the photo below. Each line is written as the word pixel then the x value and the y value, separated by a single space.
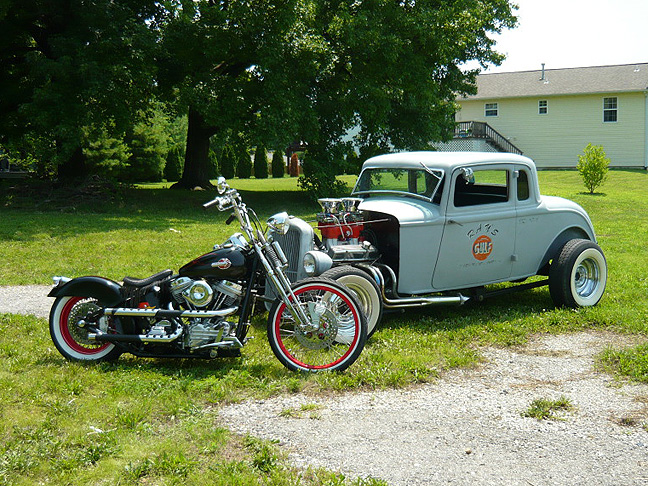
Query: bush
pixel 174 164
pixel 593 166
pixel 227 162
pixel 244 164
pixel 107 156
pixel 148 145
pixel 213 165
pixel 278 167
pixel 260 163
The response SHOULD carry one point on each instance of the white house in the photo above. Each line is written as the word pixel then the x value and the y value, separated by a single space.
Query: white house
pixel 550 115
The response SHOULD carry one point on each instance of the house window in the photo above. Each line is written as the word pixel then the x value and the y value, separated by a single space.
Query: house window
pixel 543 107
pixel 490 109
pixel 609 110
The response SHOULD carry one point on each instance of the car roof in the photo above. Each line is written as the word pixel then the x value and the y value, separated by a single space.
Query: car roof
pixel 446 161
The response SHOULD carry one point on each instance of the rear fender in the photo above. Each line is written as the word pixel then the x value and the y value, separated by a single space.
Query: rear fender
pixel 559 242
pixel 106 291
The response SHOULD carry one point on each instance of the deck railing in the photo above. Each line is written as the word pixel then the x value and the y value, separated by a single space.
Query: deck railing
pixel 474 129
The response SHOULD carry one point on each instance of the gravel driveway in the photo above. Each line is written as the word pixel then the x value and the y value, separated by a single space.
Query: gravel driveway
pixel 466 428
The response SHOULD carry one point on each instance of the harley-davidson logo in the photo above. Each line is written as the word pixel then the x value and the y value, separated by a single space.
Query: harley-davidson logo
pixel 482 248
pixel 223 264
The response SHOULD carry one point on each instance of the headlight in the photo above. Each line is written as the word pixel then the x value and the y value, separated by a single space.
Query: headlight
pixel 222 186
pixel 316 263
pixel 279 223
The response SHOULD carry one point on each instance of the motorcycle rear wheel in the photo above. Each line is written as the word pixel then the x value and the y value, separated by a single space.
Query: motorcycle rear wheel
pixel 339 328
pixel 70 339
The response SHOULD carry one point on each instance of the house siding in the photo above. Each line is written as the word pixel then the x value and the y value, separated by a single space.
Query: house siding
pixel 555 139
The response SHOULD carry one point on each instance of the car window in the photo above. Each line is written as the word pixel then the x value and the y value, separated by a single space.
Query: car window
pixel 417 182
pixel 523 186
pixel 483 187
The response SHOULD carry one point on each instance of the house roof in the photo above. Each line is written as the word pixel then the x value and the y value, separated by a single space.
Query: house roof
pixel 570 81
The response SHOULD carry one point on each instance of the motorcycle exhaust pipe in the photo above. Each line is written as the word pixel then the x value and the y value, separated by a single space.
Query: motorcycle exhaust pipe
pixel 167 314
pixel 157 314
pixel 134 338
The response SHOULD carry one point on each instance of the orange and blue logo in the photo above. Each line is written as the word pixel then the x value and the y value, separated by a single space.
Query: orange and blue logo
pixel 482 248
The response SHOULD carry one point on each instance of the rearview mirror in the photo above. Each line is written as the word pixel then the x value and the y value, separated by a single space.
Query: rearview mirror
pixel 468 175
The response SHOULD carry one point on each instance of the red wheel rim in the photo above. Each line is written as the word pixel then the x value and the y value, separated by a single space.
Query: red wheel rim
pixel 277 329
pixel 65 330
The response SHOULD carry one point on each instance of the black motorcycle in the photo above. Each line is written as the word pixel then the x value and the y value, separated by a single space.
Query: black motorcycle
pixel 314 324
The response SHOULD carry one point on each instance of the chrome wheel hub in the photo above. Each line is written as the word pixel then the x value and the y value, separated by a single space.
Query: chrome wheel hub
pixel 587 277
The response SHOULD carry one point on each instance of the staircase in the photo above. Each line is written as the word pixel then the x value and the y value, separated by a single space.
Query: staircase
pixel 483 131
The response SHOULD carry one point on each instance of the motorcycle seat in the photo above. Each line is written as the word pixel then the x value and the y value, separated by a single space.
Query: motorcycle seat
pixel 138 283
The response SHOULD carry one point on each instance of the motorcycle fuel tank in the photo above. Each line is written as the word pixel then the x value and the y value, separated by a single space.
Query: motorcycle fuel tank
pixel 226 263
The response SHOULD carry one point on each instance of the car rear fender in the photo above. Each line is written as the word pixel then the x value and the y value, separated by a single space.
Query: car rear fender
pixel 559 242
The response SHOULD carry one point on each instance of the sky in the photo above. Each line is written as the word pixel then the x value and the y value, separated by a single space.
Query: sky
pixel 575 33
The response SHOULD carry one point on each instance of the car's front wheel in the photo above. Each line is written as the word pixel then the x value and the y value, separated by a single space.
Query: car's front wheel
pixel 578 274
pixel 364 288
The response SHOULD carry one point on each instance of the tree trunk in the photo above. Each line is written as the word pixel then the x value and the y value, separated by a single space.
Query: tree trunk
pixel 196 167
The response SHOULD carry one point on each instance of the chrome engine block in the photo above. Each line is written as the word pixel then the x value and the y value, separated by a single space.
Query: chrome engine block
pixel 203 333
pixel 200 294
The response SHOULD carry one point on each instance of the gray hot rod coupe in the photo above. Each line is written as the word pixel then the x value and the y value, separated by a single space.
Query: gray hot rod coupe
pixel 424 228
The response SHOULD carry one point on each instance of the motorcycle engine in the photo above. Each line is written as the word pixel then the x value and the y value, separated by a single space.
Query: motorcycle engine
pixel 200 294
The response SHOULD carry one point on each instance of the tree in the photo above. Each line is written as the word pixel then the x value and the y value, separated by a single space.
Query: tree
pixel 593 166
pixel 230 65
pixel 278 166
pixel 393 72
pixel 260 163
pixel 71 71
pixel 314 69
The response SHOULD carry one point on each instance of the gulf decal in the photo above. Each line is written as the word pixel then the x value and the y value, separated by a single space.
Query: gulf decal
pixel 482 248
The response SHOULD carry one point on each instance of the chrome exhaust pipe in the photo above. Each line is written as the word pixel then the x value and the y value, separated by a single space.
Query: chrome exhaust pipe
pixel 401 302
pixel 167 314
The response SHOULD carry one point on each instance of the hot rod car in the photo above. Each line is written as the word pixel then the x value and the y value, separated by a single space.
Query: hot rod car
pixel 424 228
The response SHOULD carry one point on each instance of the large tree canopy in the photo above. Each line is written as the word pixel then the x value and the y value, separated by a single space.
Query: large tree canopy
pixel 234 67
pixel 265 72
pixel 69 67
pixel 313 70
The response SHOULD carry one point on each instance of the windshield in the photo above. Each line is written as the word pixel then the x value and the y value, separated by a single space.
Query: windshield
pixel 422 183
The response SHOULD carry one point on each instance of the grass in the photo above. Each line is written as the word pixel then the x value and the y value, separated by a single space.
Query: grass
pixel 137 421
pixel 544 409
pixel 631 363
pixel 142 421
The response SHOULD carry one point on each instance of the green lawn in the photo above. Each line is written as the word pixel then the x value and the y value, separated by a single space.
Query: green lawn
pixel 145 421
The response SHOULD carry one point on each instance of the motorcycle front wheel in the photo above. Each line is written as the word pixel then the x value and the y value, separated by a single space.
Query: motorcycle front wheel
pixel 70 338
pixel 333 338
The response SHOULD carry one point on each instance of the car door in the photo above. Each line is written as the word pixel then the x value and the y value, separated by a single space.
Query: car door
pixel 478 243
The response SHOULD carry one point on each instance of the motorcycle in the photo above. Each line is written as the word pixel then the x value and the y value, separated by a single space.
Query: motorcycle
pixel 313 324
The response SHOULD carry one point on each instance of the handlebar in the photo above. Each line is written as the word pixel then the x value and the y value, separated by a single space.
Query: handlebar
pixel 230 199
pixel 223 202
pixel 211 203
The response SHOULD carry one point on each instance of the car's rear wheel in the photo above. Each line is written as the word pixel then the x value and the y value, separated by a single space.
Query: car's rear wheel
pixel 578 274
